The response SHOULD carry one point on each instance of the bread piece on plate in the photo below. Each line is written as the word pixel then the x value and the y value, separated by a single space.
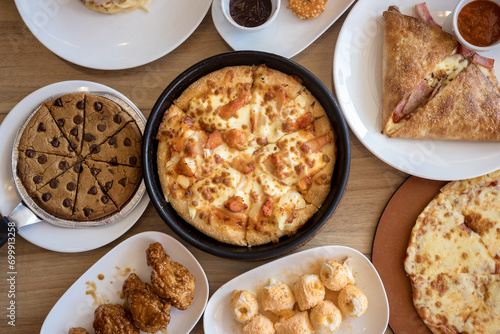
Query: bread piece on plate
pixel 412 49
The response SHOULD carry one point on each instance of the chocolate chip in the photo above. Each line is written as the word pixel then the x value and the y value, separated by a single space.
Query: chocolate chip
pixel 67 202
pixel 74 131
pixel 42 159
pixel 105 199
pixel 127 142
pixel 72 147
pixel 61 122
pixel 80 104
pixel 108 186
pixel 101 127
pixel 112 141
pixel 114 161
pixel 133 161
pixel 87 212
pixel 63 165
pixel 54 183
pixel 58 103
pixel 92 190
pixel 30 153
pixel 46 197
pixel 95 149
pixel 37 179
pixel 78 119
pixel 71 186
pixel 95 171
pixel 78 167
pixel 117 119
pixel 123 181
pixel 55 142
pixel 89 137
pixel 41 127
pixel 98 106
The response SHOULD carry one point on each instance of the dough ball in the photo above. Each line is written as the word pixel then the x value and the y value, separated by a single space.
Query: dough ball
pixel 335 276
pixel 309 291
pixel 277 298
pixel 244 305
pixel 352 301
pixel 325 317
pixel 298 324
pixel 259 325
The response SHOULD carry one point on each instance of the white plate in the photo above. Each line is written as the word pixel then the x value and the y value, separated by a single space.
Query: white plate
pixel 43 234
pixel 76 308
pixel 218 318
pixel 111 42
pixel 286 36
pixel 358 77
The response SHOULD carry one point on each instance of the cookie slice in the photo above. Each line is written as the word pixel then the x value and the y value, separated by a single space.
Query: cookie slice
pixel 91 202
pixel 103 118
pixel 58 196
pixel 43 135
pixel 36 169
pixel 123 148
pixel 119 182
pixel 68 111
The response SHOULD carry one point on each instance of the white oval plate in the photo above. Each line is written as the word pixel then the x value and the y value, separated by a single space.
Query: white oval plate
pixel 218 318
pixel 357 76
pixel 76 308
pixel 43 234
pixel 286 36
pixel 112 42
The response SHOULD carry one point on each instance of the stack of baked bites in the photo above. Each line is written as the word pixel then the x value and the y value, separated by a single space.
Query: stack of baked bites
pixel 246 155
pixel 80 157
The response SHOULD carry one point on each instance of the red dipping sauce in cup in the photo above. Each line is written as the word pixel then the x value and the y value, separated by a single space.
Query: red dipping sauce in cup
pixel 479 22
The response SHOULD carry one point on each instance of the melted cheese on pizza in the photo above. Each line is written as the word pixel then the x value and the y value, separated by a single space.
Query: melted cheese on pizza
pixel 453 258
pixel 241 153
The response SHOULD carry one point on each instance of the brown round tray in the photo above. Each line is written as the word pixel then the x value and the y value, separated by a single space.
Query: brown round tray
pixel 389 250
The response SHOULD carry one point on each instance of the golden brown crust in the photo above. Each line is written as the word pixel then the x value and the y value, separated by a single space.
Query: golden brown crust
pixel 223 231
pixel 411 50
pixel 259 234
pixel 468 108
pixel 453 257
pixel 225 78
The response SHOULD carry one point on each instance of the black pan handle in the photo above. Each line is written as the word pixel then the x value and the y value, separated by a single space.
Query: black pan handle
pixel 8 230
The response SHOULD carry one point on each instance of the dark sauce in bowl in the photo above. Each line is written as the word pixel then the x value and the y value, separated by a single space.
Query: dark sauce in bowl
pixel 250 13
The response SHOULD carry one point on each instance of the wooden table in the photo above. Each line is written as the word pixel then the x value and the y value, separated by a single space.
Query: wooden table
pixel 43 276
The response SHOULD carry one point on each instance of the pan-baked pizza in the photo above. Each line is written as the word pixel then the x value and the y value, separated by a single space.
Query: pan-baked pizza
pixel 246 155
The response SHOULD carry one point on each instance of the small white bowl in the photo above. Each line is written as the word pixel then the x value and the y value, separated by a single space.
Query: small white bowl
pixel 276 4
pixel 468 45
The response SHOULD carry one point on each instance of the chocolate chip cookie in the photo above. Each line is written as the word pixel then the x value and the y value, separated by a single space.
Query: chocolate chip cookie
pixel 63 145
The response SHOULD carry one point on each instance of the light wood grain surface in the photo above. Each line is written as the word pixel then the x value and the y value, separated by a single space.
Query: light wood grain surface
pixel 43 276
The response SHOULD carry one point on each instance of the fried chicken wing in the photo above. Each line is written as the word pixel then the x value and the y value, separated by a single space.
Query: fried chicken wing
pixel 149 312
pixel 170 280
pixel 113 319
pixel 77 330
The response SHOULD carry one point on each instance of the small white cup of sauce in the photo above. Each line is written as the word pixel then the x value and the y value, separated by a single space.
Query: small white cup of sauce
pixel 251 15
pixel 472 28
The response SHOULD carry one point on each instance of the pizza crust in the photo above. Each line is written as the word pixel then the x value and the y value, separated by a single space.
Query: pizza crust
pixel 411 50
